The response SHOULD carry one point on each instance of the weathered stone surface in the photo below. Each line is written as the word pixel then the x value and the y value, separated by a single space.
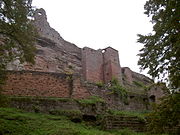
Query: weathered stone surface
pixel 156 92
pixel 48 105
pixel 135 102
pixel 55 55
pixel 101 65
pixel 44 84
pixel 92 61
pixel 123 122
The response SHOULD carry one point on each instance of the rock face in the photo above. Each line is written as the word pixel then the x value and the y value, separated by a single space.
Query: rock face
pixel 55 55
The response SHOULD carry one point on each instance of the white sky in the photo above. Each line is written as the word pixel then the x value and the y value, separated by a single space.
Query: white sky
pixel 99 24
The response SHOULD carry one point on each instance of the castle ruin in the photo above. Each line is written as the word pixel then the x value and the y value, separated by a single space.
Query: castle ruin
pixel 64 70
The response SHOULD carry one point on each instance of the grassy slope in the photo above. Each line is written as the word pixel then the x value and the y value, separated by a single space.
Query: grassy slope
pixel 17 122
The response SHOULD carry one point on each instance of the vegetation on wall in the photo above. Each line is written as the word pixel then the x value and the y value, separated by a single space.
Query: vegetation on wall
pixel 118 89
pixel 91 100
pixel 100 84
pixel 140 115
pixel 139 84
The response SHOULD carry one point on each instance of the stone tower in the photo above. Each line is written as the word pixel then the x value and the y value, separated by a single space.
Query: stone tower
pixel 92 64
pixel 101 65
pixel 111 65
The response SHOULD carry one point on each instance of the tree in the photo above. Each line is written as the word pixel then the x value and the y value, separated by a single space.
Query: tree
pixel 17 34
pixel 161 55
pixel 165 116
pixel 161 51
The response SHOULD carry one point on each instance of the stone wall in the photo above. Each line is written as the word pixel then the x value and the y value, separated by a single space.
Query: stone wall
pixel 56 58
pixel 44 84
pixel 54 54
pixel 134 102
pixel 101 65
pixel 111 65
pixel 55 105
pixel 92 61
pixel 79 90
pixel 156 92
pixel 127 74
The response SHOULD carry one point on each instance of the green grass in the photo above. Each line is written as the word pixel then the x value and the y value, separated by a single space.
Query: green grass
pixel 91 100
pixel 140 115
pixel 17 122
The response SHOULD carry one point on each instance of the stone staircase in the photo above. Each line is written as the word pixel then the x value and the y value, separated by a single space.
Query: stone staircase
pixel 123 122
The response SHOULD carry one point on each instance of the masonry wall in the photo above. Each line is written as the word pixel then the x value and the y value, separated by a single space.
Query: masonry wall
pixel 128 74
pixel 101 65
pixel 156 92
pixel 112 66
pixel 92 63
pixel 42 84
pixel 79 89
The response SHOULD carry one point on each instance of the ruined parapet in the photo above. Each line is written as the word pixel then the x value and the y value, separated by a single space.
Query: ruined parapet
pixel 111 65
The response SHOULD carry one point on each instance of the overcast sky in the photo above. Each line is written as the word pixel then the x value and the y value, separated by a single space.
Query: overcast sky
pixel 99 24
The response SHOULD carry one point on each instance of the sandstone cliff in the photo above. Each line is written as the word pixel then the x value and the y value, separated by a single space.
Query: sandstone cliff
pixel 64 70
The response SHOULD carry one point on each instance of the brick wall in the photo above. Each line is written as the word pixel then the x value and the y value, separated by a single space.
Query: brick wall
pixel 43 84
pixel 79 91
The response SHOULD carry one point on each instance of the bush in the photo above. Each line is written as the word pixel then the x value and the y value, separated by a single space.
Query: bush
pixel 165 116
pixel 100 84
pixel 119 90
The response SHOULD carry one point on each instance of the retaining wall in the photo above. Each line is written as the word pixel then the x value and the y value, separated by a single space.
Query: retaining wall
pixel 44 84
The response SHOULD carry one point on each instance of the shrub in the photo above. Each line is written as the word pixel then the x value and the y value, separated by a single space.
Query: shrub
pixel 117 88
pixel 165 116
pixel 100 84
